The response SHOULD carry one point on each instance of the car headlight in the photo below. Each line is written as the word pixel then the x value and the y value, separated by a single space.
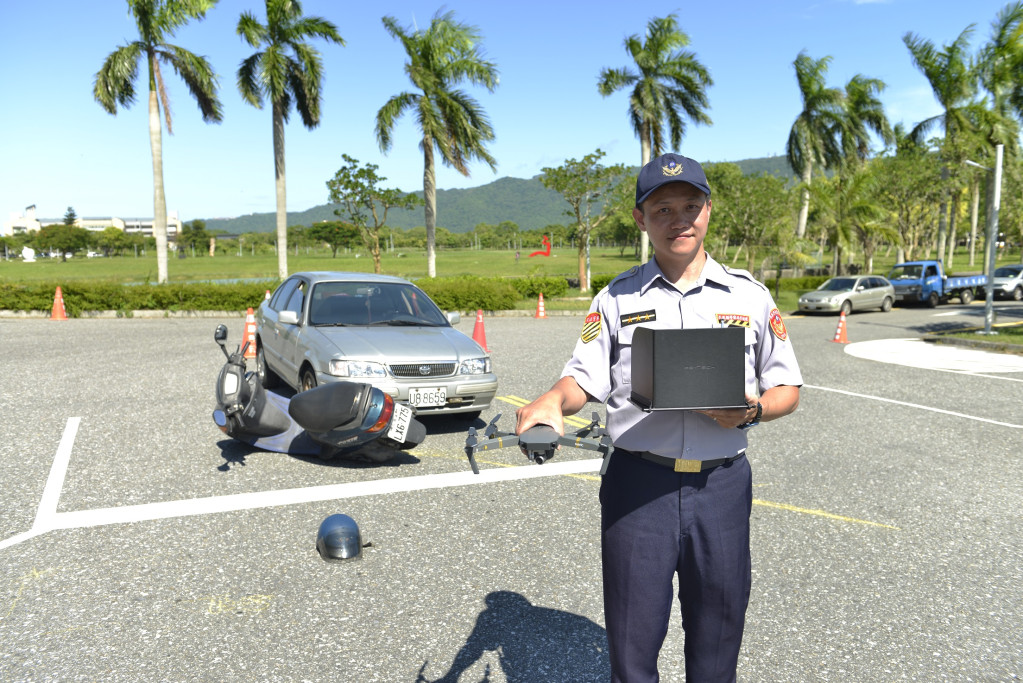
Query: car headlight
pixel 355 368
pixel 474 366
pixel 834 300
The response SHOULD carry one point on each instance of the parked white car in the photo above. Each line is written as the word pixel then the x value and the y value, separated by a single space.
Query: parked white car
pixel 326 327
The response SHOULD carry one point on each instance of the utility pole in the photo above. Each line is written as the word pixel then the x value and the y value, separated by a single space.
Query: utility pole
pixel 994 204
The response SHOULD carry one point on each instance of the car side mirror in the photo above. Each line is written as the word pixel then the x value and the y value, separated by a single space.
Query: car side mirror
pixel 454 317
pixel 288 318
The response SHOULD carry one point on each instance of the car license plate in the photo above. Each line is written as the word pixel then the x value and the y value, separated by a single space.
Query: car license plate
pixel 400 420
pixel 427 397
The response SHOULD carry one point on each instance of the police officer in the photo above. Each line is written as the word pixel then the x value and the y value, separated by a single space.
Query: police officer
pixel 678 490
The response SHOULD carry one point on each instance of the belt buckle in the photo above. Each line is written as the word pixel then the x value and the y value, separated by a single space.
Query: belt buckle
pixel 688 465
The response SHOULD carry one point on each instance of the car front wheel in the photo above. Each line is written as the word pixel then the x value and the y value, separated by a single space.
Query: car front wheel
pixel 886 305
pixel 267 377
pixel 847 307
pixel 1017 294
pixel 308 380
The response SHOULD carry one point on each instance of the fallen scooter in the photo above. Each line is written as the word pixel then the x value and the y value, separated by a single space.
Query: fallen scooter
pixel 347 420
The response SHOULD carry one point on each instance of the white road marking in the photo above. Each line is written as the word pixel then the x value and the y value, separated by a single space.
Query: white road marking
pixel 917 406
pixel 910 352
pixel 48 519
pixel 55 482
pixel 943 357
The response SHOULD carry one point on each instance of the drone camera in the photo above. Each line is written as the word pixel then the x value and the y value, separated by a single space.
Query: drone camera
pixel 539 443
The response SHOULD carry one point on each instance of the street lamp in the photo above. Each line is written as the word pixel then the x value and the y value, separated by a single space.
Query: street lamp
pixel 992 233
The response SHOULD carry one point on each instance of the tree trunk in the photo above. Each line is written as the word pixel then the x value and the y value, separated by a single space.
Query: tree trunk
pixel 581 243
pixel 943 214
pixel 644 144
pixel 804 204
pixel 159 200
pixel 280 186
pixel 430 206
pixel 952 225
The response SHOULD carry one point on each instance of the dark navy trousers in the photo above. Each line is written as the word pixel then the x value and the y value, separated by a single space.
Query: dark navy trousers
pixel 656 523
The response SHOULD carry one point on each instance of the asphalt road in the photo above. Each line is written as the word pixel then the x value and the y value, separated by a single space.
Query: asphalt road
pixel 137 543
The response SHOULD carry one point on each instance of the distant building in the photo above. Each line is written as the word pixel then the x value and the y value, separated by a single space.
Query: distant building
pixel 27 222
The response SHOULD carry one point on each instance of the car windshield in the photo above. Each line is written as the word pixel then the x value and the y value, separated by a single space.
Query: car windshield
pixel 372 303
pixel 838 284
pixel 1008 271
pixel 906 273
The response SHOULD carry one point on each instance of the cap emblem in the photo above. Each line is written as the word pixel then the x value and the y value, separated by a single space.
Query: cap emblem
pixel 672 169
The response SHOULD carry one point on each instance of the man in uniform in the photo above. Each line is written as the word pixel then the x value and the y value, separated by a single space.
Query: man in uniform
pixel 678 490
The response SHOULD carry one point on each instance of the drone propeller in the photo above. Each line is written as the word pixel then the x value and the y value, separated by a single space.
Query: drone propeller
pixel 492 427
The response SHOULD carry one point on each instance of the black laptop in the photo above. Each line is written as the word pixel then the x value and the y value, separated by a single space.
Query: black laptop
pixel 690 369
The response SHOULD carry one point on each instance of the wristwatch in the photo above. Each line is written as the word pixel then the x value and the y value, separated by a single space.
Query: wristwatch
pixel 756 418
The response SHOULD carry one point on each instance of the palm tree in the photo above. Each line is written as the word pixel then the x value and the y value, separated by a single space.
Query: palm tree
pixel 953 80
pixel 288 70
pixel 813 139
pixel 864 114
pixel 668 80
pixel 450 121
pixel 1000 62
pixel 157 20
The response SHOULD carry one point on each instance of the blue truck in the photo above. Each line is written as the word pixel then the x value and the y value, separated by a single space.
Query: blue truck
pixel 926 282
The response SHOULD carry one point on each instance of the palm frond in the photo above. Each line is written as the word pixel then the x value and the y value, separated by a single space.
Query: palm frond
pixel 114 83
pixel 200 78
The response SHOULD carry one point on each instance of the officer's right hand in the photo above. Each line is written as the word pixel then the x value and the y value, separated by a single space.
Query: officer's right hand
pixel 545 410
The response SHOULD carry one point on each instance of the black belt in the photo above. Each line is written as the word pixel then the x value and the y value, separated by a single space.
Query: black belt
pixel 679 465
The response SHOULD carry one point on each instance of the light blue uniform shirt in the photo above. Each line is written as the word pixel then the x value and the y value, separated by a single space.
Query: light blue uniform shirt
pixel 643 297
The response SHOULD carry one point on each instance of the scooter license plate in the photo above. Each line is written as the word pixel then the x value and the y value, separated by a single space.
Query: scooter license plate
pixel 427 397
pixel 400 420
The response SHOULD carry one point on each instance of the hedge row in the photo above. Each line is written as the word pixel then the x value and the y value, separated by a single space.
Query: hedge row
pixel 465 293
pixel 103 296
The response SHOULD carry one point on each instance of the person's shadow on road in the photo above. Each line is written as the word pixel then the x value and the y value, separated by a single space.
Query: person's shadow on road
pixel 532 643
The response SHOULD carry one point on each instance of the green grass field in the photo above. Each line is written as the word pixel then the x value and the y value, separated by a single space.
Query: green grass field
pixel 410 265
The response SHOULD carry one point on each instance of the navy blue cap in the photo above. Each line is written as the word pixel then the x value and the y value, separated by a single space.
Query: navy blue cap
pixel 669 168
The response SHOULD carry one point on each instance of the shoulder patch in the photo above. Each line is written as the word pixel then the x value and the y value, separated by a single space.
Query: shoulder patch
pixel 778 325
pixel 591 328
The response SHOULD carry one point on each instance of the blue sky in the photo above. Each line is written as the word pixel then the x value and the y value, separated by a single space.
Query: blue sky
pixel 59 148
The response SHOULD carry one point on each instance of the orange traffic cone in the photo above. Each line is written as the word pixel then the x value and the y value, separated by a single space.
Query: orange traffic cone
pixel 267 297
pixel 479 335
pixel 58 312
pixel 540 311
pixel 840 330
pixel 250 333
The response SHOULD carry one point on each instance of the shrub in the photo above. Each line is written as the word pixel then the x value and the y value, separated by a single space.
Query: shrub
pixel 104 296
pixel 467 293
pixel 532 287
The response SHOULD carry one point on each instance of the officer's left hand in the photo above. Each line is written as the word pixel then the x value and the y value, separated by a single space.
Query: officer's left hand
pixel 733 417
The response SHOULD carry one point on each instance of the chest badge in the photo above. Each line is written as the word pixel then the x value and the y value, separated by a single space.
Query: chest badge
pixel 732 320
pixel 591 328
pixel 640 317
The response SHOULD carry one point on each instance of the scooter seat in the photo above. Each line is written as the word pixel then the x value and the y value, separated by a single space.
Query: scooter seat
pixel 330 406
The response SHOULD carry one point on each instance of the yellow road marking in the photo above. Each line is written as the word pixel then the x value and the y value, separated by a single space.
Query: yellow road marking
pixel 519 401
pixel 821 513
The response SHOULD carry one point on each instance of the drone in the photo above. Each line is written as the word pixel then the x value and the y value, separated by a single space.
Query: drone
pixel 539 442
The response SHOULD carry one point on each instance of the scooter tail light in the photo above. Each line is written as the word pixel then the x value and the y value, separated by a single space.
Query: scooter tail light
pixel 385 414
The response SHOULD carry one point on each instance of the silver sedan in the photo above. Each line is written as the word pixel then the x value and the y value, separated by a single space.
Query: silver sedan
pixel 1009 282
pixel 846 294
pixel 326 327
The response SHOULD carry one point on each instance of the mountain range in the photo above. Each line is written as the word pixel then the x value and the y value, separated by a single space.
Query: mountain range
pixel 526 202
